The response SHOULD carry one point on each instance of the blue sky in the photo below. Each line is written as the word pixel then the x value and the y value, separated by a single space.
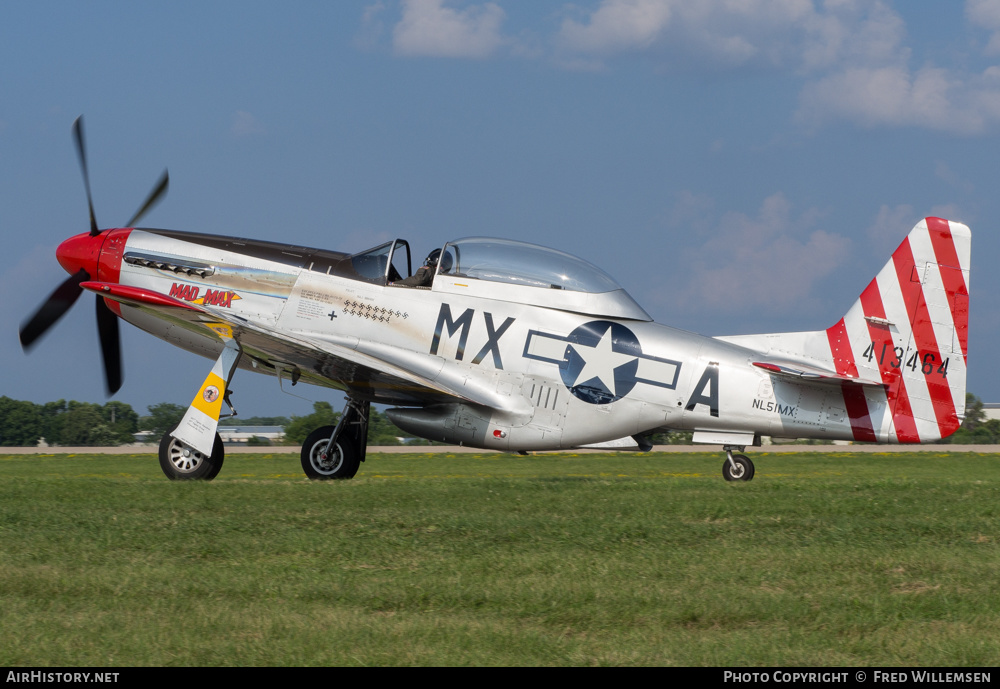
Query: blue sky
pixel 739 165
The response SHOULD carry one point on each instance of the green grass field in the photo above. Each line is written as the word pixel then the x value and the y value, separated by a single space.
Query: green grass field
pixel 832 559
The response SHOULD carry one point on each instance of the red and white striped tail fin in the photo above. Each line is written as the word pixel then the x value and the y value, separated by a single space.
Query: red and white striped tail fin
pixel 910 329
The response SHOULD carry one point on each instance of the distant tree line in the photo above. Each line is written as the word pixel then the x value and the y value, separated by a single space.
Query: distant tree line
pixel 381 431
pixel 23 424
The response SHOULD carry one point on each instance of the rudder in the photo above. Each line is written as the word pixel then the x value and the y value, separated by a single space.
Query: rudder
pixel 909 329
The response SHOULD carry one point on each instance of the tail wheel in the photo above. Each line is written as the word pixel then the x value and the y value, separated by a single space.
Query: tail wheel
pixel 742 471
pixel 181 462
pixel 321 465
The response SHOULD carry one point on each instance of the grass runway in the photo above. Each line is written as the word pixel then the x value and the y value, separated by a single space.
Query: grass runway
pixel 823 559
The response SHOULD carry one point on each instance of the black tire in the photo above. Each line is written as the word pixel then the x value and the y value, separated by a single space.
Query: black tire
pixel 342 464
pixel 744 469
pixel 181 462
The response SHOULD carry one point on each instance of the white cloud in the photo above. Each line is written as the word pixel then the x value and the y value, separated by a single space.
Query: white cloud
pixel 710 34
pixel 950 211
pixel 617 25
pixel 690 211
pixel 773 260
pixel 854 33
pixel 371 26
pixel 890 226
pixel 944 172
pixel 986 14
pixel 932 98
pixel 871 82
pixel 850 57
pixel 245 124
pixel 429 28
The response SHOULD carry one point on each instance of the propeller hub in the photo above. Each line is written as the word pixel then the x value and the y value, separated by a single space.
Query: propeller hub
pixel 81 251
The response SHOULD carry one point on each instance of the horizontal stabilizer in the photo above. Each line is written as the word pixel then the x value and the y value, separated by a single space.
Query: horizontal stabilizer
pixel 812 374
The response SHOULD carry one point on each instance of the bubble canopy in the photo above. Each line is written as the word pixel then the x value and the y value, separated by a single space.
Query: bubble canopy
pixel 520 263
pixel 523 273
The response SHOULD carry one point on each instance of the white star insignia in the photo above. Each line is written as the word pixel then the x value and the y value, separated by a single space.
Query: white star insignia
pixel 601 361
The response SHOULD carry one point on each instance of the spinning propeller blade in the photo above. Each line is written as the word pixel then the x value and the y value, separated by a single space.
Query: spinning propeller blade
pixel 81 151
pixel 111 346
pixel 85 250
pixel 52 309
pixel 154 197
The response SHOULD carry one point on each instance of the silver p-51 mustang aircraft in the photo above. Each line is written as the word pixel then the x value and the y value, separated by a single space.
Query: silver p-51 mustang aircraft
pixel 509 346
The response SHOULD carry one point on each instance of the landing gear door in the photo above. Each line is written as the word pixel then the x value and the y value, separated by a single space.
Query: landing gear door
pixel 201 420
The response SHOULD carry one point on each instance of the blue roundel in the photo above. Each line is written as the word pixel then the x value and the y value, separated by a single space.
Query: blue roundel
pixel 601 362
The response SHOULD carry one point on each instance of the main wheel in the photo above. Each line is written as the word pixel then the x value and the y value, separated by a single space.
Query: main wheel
pixel 320 465
pixel 743 472
pixel 181 462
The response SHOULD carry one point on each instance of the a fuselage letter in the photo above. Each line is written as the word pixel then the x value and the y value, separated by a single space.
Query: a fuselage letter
pixel 445 319
pixel 493 341
pixel 710 382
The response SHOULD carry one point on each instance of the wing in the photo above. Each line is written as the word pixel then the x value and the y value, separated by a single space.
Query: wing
pixel 369 370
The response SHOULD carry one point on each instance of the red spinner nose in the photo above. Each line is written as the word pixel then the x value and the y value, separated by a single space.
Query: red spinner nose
pixel 81 251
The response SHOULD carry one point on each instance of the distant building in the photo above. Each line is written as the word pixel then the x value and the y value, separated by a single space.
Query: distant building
pixel 232 435
pixel 242 434
pixel 992 410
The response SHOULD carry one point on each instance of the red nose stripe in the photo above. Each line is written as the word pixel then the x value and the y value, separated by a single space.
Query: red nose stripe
pixel 109 268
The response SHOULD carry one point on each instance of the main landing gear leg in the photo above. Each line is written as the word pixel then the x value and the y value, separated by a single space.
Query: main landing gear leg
pixel 736 467
pixel 336 452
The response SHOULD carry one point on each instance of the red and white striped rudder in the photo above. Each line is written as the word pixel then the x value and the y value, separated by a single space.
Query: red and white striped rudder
pixel 910 329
